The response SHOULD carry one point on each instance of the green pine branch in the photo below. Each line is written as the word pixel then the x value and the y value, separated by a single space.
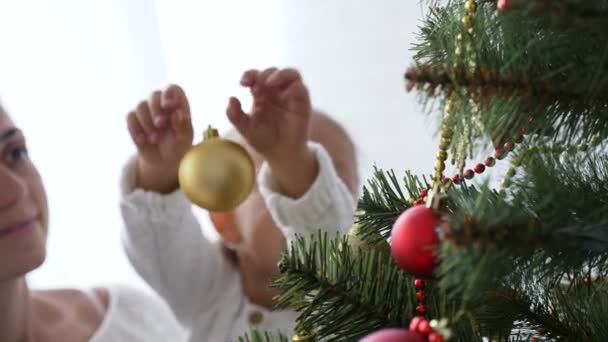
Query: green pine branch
pixel 259 336
pixel 515 66
pixel 559 205
pixel 383 201
pixel 510 265
pixel 549 311
pixel 487 83
pixel 343 296
pixel 554 225
pixel 563 11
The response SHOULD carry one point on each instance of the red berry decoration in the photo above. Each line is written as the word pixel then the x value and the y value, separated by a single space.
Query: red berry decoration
pixel 424 192
pixel 424 328
pixel 415 322
pixel 480 168
pixel 456 179
pixel 421 309
pixel 500 154
pixel 468 174
pixel 420 296
pixel 490 161
pixel 419 284
pixel 414 241
pixel 393 335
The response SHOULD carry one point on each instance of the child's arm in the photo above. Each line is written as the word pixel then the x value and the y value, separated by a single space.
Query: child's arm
pixel 163 239
pixel 327 204
pixel 298 181
pixel 164 243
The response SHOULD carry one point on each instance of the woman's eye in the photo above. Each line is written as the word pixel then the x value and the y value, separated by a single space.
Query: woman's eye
pixel 18 153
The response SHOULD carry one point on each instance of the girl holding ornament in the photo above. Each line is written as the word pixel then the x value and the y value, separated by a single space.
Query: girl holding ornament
pixel 306 180
pixel 99 315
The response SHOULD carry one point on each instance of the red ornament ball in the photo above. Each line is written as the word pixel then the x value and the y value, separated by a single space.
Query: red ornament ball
pixel 393 335
pixel 502 5
pixel 414 241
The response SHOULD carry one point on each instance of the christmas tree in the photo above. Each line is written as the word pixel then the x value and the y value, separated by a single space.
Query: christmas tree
pixel 449 256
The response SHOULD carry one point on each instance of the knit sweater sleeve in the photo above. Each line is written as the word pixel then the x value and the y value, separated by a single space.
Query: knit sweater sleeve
pixel 164 242
pixel 328 205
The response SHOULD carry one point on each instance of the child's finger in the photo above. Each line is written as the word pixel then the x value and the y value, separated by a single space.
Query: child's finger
pixel 282 78
pixel 296 98
pixel 174 98
pixel 249 77
pixel 145 120
pixel 237 117
pixel 159 118
pixel 261 80
pixel 135 130
pixel 182 124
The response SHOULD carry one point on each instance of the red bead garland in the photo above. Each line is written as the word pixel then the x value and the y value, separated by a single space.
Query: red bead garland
pixel 423 327
pixel 468 174
pixel 421 309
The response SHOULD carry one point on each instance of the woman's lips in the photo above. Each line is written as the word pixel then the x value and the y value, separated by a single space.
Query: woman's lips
pixel 18 228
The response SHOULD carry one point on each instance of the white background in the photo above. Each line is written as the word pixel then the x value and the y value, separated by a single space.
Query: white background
pixel 70 70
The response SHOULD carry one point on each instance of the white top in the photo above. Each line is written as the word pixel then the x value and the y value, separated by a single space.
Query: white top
pixel 164 241
pixel 133 316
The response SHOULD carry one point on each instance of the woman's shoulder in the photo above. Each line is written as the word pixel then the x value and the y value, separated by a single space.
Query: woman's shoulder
pixel 91 304
pixel 113 313
pixel 76 314
pixel 135 315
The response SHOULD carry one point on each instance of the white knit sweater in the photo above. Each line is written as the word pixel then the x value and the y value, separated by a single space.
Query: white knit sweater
pixel 133 316
pixel 164 241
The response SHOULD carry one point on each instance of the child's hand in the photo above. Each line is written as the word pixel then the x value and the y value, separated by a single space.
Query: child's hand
pixel 161 128
pixel 279 125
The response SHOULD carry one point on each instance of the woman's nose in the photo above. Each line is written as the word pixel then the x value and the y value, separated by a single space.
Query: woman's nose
pixel 12 187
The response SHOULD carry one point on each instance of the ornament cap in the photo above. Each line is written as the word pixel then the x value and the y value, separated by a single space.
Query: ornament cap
pixel 435 197
pixel 305 335
pixel 210 133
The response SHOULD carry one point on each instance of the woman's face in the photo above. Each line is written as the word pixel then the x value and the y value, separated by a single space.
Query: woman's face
pixel 23 205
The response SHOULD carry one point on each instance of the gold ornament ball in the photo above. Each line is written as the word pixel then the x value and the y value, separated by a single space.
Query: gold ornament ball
pixel 305 335
pixel 217 174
